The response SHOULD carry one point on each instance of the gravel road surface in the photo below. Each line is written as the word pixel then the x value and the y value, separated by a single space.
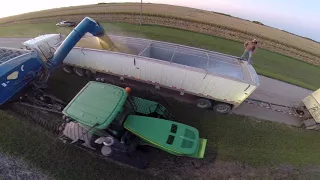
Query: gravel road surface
pixel 12 42
pixel 277 92
pixel 13 168
pixel 270 90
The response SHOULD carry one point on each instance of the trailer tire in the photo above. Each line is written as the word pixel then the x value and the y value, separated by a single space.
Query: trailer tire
pixel 222 108
pixel 203 103
pixel 67 69
pixel 78 71
pixel 89 73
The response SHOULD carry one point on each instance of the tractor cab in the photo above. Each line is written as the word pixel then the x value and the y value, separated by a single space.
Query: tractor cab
pixel 105 109
pixel 98 106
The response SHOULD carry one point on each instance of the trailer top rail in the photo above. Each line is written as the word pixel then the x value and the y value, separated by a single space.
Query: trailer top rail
pixel 210 61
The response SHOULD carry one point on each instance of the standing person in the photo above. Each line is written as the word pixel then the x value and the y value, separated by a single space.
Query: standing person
pixel 249 48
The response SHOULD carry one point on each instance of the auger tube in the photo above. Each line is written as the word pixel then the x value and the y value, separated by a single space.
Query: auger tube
pixel 86 25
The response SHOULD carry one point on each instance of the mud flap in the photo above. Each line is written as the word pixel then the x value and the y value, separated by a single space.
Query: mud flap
pixel 76 132
pixel 311 124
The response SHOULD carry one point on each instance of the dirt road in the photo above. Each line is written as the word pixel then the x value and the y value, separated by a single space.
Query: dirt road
pixel 12 42
pixel 278 92
pixel 270 90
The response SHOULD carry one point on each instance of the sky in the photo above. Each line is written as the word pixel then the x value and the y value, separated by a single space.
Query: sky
pixel 300 17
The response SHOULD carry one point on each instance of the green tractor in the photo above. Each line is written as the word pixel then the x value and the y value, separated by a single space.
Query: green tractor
pixel 106 119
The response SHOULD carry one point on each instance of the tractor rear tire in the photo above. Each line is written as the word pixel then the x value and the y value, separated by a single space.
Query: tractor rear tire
pixel 203 103
pixel 222 108
pixel 78 71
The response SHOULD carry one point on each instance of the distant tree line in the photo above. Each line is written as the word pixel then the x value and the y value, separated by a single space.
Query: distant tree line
pixel 258 22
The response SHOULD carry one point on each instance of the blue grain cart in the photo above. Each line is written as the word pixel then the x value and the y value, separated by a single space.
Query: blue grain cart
pixel 19 68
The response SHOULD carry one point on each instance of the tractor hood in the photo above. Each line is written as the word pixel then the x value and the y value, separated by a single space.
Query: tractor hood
pixel 173 137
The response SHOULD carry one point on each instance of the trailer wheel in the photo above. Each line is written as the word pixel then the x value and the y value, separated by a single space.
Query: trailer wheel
pixel 89 73
pixel 67 69
pixel 203 103
pixel 78 71
pixel 222 108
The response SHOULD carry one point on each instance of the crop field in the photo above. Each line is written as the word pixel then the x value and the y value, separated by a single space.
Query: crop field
pixel 184 18
pixel 266 63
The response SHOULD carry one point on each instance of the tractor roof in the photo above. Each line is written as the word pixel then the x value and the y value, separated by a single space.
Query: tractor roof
pixel 97 104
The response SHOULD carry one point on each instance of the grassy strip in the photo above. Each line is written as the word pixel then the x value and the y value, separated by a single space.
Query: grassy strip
pixel 265 62
pixel 252 141
pixel 31 143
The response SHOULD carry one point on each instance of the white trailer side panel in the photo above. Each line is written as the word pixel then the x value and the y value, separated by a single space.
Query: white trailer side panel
pixel 150 71
pixel 193 81
pixel 222 89
pixel 171 75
